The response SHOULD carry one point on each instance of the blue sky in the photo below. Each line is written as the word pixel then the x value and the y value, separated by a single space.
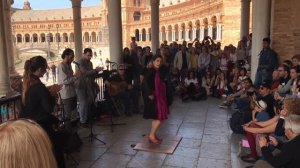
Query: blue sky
pixel 52 4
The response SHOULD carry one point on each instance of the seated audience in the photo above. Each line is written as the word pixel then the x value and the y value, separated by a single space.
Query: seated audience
pixel 289 151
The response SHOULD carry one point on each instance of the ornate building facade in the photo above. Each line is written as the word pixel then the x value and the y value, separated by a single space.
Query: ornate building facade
pixel 179 20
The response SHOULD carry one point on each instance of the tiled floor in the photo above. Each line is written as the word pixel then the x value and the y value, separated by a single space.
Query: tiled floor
pixel 207 140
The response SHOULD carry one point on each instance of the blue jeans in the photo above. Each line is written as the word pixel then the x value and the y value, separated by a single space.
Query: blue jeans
pixel 262 76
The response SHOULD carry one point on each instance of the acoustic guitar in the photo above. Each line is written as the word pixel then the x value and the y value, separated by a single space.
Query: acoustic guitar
pixel 114 88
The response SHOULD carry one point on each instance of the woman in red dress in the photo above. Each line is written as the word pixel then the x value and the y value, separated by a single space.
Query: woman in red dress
pixel 155 96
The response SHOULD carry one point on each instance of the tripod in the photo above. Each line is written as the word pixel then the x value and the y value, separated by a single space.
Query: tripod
pixel 92 136
pixel 114 108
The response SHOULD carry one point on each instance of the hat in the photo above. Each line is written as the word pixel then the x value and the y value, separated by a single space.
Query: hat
pixel 261 104
pixel 266 85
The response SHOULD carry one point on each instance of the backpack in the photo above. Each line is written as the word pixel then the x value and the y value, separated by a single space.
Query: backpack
pixel 236 121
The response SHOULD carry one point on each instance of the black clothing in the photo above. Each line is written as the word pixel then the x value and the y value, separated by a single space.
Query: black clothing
pixel 284 81
pixel 270 101
pixel 288 157
pixel 39 105
pixel 279 129
pixel 148 86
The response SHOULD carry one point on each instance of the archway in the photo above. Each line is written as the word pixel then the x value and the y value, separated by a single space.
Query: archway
pixel 86 37
pixel 214 27
pixel 65 37
pixel 176 32
pixel 93 37
pixel 205 23
pixel 27 38
pixel 182 32
pixel 43 37
pixel 137 34
pixel 143 34
pixel 163 33
pixel 197 25
pixel 190 31
pixel 35 38
pixel 19 38
pixel 71 37
pixel 170 33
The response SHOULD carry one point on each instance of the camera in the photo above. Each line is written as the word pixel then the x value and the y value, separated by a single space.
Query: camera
pixel 250 93
pixel 278 105
pixel 267 138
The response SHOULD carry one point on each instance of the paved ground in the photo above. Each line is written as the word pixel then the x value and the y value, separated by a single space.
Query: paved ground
pixel 207 140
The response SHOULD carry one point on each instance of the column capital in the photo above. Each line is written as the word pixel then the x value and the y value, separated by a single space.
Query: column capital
pixel 247 1
pixel 76 3
pixel 154 2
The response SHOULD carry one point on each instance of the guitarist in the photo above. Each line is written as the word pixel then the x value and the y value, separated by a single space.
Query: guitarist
pixel 120 87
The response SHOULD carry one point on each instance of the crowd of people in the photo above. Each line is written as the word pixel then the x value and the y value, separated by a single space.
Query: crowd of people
pixel 267 110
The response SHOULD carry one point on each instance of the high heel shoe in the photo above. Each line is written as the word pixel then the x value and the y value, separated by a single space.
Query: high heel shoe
pixel 153 141
pixel 159 139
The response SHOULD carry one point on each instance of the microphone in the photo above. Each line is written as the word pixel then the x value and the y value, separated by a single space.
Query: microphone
pixel 110 62
pixel 76 63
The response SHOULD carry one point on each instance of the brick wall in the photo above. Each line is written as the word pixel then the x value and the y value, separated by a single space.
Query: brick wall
pixel 286 28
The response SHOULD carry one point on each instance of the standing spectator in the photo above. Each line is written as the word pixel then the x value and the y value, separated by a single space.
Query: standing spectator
pixel 53 70
pixel 266 64
pixel 182 61
pixel 85 86
pixel 38 103
pixel 203 63
pixel 67 79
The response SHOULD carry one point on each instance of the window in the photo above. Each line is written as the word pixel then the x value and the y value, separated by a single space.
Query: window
pixel 136 16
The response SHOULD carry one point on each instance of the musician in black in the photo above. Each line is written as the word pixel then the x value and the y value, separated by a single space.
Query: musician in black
pixel 120 87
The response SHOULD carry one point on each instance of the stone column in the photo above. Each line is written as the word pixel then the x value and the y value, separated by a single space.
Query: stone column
pixel 76 5
pixel 187 37
pixel 115 30
pixel 167 35
pixel 194 34
pixel 147 37
pixel 260 29
pixel 201 33
pixel 245 17
pixel 210 31
pixel 4 50
pixel 180 35
pixel 173 35
pixel 9 37
pixel 154 25
pixel 219 31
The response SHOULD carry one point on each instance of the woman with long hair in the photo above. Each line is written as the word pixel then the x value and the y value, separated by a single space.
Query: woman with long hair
pixel 24 144
pixel 156 103
pixel 38 102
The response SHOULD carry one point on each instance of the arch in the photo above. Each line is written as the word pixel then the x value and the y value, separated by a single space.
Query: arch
pixel 176 32
pixel 65 38
pixel 50 37
pixel 134 2
pixel 19 38
pixel 149 31
pixel 93 34
pixel 169 33
pixel 71 37
pixel 86 37
pixel 205 24
pixel 27 38
pixel 214 27
pixel 57 37
pixel 163 33
pixel 137 34
pixel 190 31
pixel 143 34
pixel 35 38
pixel 182 32
pixel 43 37
pixel 197 26
pixel 100 36
pixel 136 16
